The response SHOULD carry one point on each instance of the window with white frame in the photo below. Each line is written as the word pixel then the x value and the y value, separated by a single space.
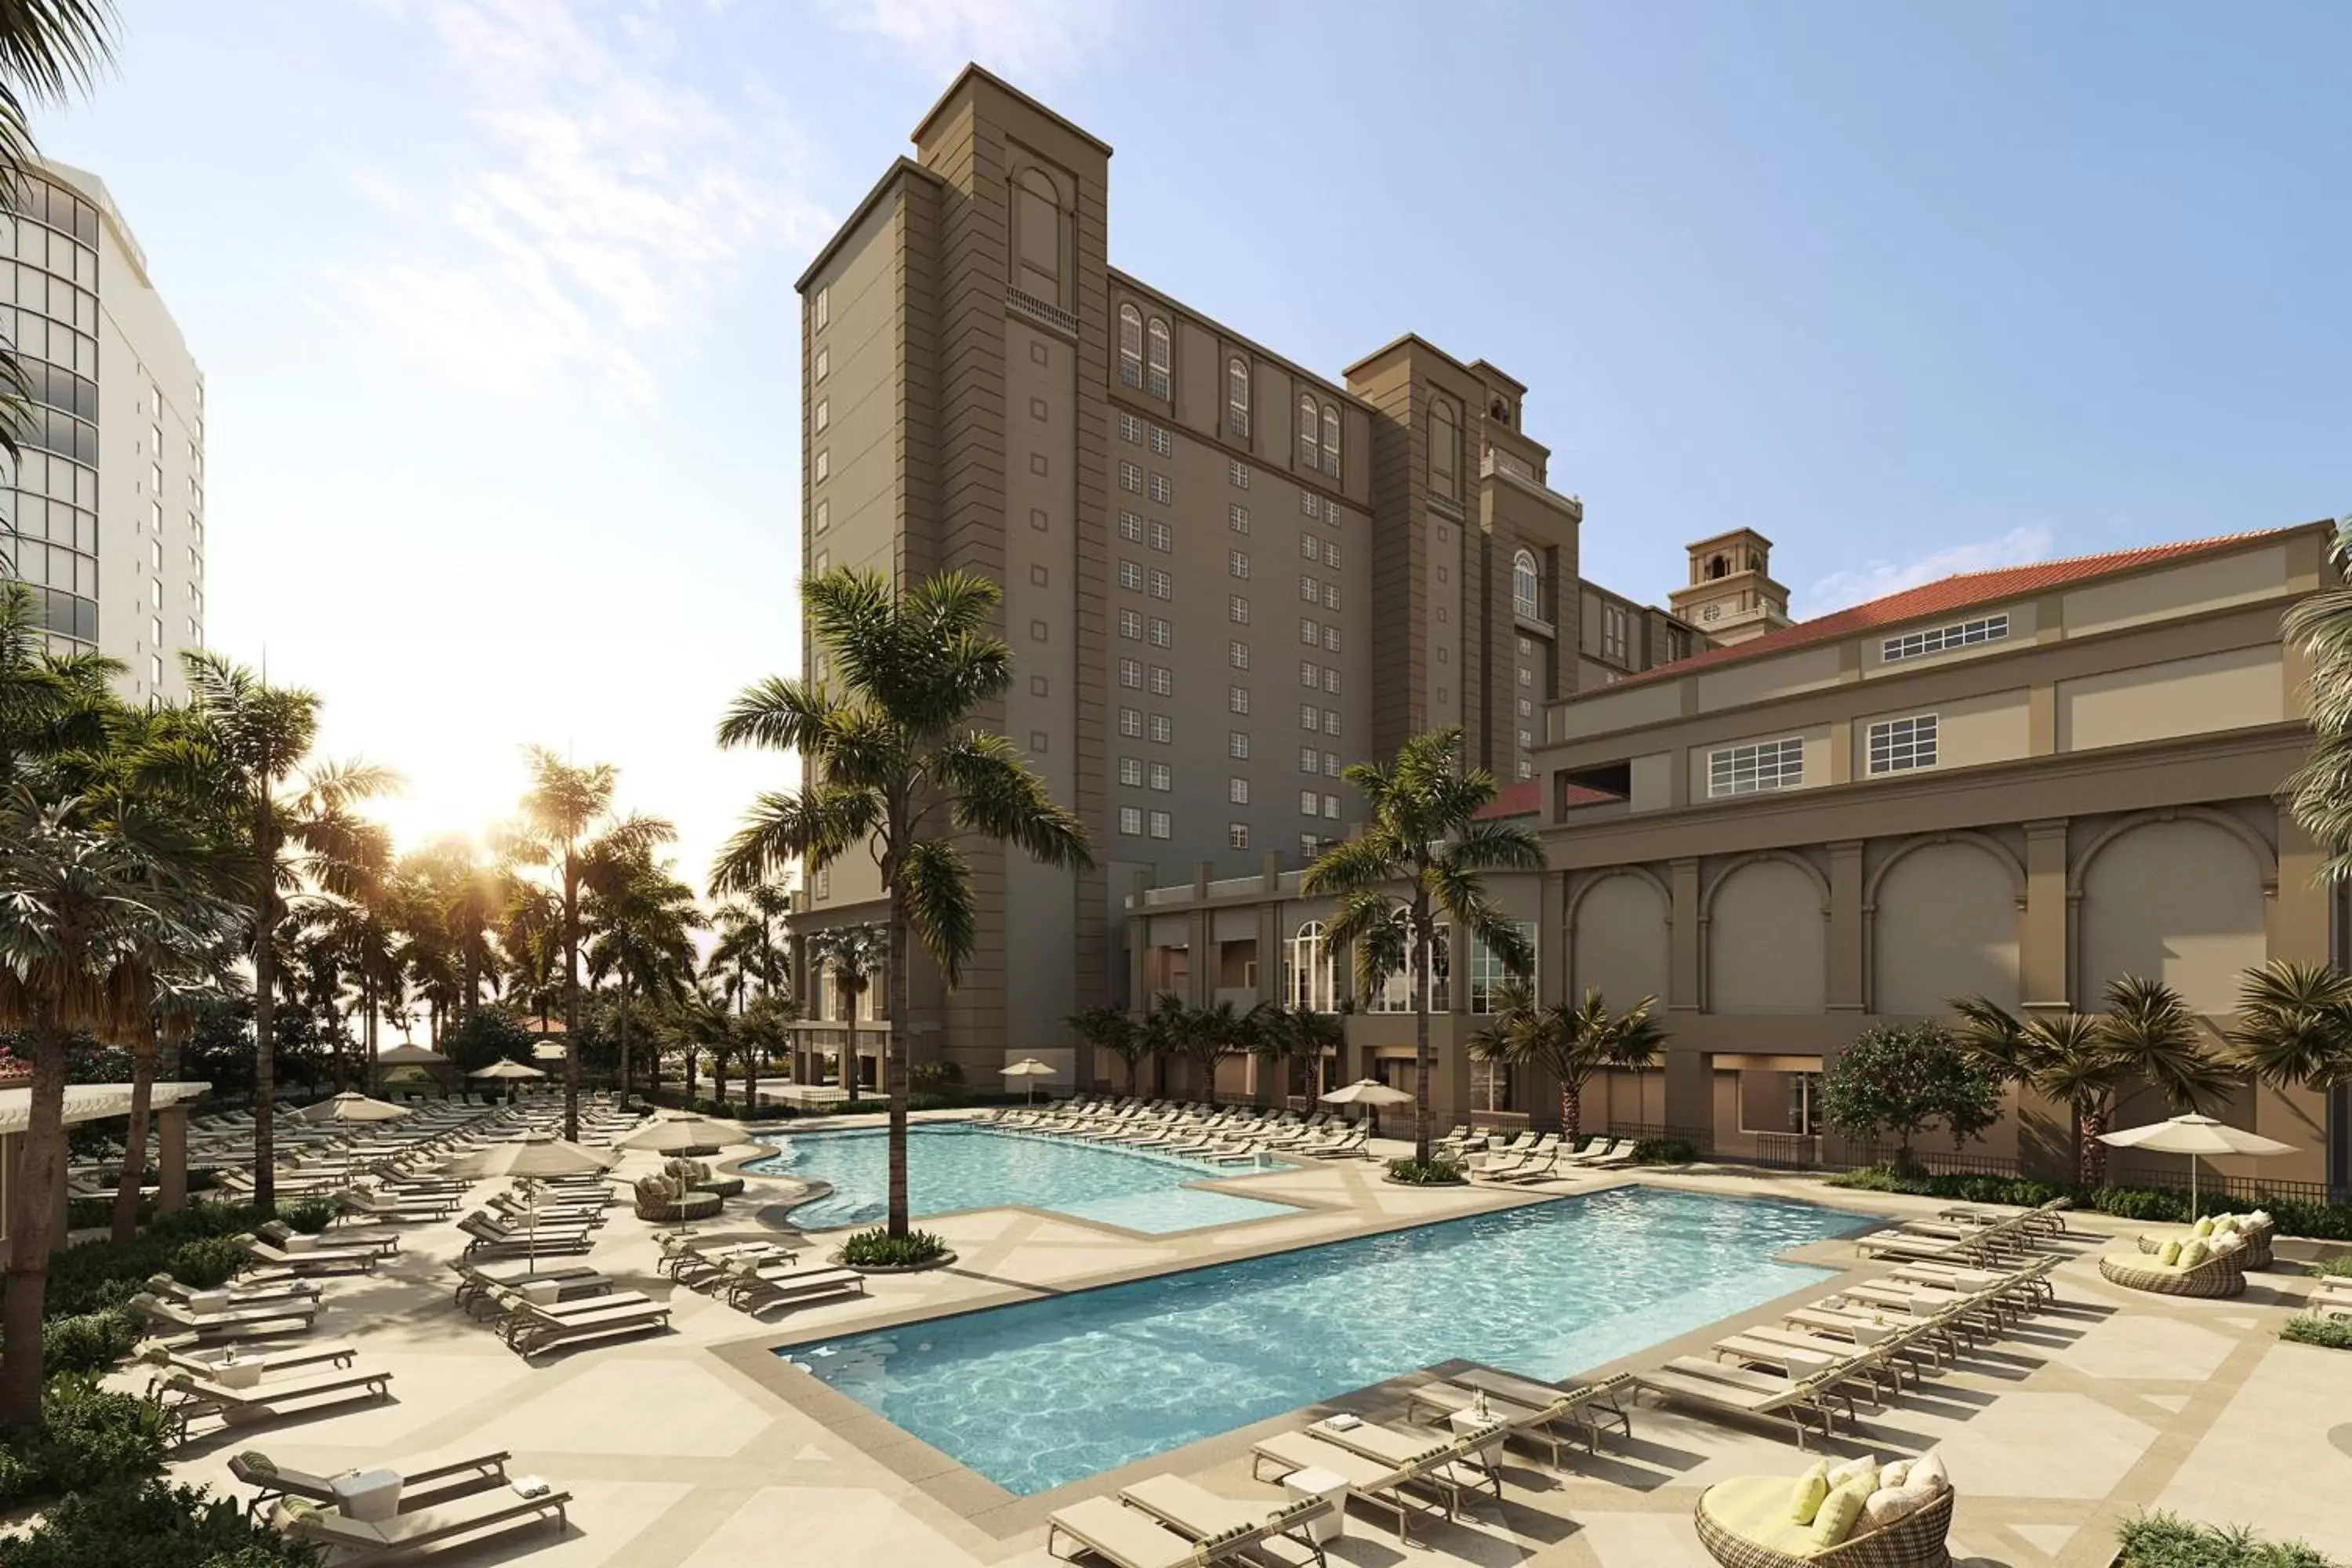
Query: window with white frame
pixel 1935 639
pixel 1331 439
pixel 1237 655
pixel 1236 699
pixel 1901 745
pixel 1130 476
pixel 1164 538
pixel 1163 778
pixel 1488 973
pixel 825 307
pixel 1162 444
pixel 1155 380
pixel 1310 547
pixel 1238 474
pixel 1331 596
pixel 1159 827
pixel 1130 624
pixel 1310 802
pixel 1754 769
pixel 1310 454
pixel 1237 395
pixel 1162 732
pixel 1162 492
pixel 1130 721
pixel 1330 680
pixel 1311 590
pixel 1162 635
pixel 1163 681
pixel 1130 673
pixel 1330 640
pixel 1312 976
pixel 1130 577
pixel 1237 745
pixel 1331 554
pixel 1331 764
pixel 1311 632
pixel 1236 835
pixel 1131 345
pixel 1130 821
pixel 1306 759
pixel 1131 772
pixel 1310 674
pixel 1237 791
pixel 1130 428
pixel 1237 518
pixel 1130 527
pixel 1160 584
pixel 1331 808
pixel 1526 588
pixel 1237 610
pixel 1331 723
pixel 1308 505
pixel 1615 628
pixel 1238 563
pixel 1310 717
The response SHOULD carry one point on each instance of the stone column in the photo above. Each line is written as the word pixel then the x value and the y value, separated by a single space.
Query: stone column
pixel 1684 990
pixel 1551 939
pixel 1846 989
pixel 172 1158
pixel 2045 960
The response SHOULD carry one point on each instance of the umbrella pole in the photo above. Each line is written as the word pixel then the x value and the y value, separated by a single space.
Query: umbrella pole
pixel 531 1200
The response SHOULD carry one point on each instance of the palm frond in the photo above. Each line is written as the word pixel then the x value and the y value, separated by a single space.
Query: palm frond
pixel 938 884
pixel 785 827
pixel 997 794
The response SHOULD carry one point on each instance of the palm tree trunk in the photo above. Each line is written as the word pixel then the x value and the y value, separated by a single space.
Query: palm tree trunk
pixel 625 1045
pixel 2090 1155
pixel 31 1220
pixel 134 1145
pixel 572 998
pixel 265 1019
pixel 894 1057
pixel 751 1078
pixel 1571 1112
pixel 1419 1047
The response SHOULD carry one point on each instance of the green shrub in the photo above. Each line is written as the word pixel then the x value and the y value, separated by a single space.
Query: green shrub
pixel 153 1525
pixel 879 1249
pixel 89 1437
pixel 2167 1541
pixel 2336 1268
pixel 1664 1151
pixel 208 1262
pixel 2294 1216
pixel 2333 1333
pixel 309 1215
pixel 1426 1172
pixel 89 1342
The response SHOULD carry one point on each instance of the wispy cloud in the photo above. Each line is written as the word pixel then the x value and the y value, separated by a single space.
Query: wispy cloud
pixel 1032 39
pixel 599 199
pixel 1876 579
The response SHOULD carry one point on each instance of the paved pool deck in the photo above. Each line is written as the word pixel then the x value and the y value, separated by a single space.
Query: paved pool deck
pixel 698 1448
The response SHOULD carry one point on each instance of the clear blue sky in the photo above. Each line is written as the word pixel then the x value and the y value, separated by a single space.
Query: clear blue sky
pixel 494 299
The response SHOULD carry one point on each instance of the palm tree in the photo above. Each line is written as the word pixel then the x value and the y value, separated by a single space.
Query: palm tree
pixel 2294 1026
pixel 1207 1035
pixel 1572 1044
pixel 569 825
pixel 851 955
pixel 2321 789
pixel 530 935
pixel 894 764
pixel 1425 834
pixel 2148 1036
pixel 298 828
pixel 639 919
pixel 1111 1029
pixel 1319 1035
pixel 706 1025
pixel 750 946
pixel 1165 1026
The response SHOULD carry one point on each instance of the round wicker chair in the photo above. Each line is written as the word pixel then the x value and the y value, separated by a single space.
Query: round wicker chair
pixel 669 1198
pixel 698 1176
pixel 2223 1274
pixel 2255 1237
pixel 1916 1541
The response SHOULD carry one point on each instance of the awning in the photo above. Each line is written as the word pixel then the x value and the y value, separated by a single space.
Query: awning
pixel 93 1101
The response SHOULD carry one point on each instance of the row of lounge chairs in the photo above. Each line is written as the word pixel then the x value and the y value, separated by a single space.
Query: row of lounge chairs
pixel 1971 1236
pixel 1196 1130
pixel 1534 1157
pixel 754 1276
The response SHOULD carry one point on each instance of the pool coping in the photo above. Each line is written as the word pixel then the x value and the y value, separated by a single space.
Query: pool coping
pixel 1003 1515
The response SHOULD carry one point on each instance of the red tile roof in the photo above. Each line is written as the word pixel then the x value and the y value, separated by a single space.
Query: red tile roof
pixel 1525 798
pixel 1949 596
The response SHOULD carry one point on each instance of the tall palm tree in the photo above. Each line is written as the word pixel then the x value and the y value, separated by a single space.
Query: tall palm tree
pixel 1111 1029
pixel 530 935
pixel 569 825
pixel 852 954
pixel 1572 1044
pixel 895 762
pixel 639 920
pixel 2294 1026
pixel 1425 836
pixel 298 828
pixel 2320 791
pixel 750 946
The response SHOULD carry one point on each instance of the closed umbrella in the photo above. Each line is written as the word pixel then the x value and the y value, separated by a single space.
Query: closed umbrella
pixel 1028 1068
pixel 2195 1135
pixel 680 1135
pixel 532 1161
pixel 351 1106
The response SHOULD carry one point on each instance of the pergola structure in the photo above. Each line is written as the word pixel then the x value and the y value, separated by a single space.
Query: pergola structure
pixel 97 1102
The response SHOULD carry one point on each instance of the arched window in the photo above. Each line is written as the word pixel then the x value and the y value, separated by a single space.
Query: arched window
pixel 1156 382
pixel 1131 345
pixel 1331 439
pixel 1314 983
pixel 1446 449
pixel 1238 390
pixel 1716 566
pixel 1310 456
pixel 1526 588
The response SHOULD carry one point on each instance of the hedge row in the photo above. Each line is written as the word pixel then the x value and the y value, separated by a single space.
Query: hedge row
pixel 2295 1217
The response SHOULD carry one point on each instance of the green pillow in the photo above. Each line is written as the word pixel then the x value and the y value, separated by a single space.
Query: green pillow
pixel 2170 1255
pixel 1838 1513
pixel 2194 1253
pixel 2202 1228
pixel 1806 1497
pixel 2225 1224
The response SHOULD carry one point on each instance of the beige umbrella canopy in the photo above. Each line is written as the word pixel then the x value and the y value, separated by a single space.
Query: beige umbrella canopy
pixel 504 1068
pixel 547 1051
pixel 1029 1068
pixel 2195 1135
pixel 351 1106
pixel 411 1056
pixel 680 1135
pixel 533 1160
pixel 1367 1091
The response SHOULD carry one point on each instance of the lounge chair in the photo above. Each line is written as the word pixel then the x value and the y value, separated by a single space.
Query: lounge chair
pixel 487 1239
pixel 1448 1469
pixel 1534 1411
pixel 208 1363
pixel 268 1254
pixel 1770 1398
pixel 1128 1538
pixel 531 1328
pixel 288 1318
pixel 189 1396
pixel 753 1287
pixel 302 1521
pixel 459 1477
pixel 338 1237
pixel 1618 1154
pixel 269 1293
pixel 1193 1511
pixel 476 1286
pixel 382 1206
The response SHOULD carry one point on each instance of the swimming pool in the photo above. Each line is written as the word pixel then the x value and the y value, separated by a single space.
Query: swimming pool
pixel 951 1167
pixel 1049 1392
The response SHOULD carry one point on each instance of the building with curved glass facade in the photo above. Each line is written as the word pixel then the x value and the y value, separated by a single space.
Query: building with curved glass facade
pixel 104 514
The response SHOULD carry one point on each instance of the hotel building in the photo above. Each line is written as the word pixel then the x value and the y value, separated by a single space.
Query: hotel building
pixel 104 514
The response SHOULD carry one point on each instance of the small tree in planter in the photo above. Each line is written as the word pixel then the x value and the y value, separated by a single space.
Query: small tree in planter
pixel 1905 1078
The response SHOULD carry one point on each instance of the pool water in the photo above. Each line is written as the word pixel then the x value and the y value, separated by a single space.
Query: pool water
pixel 950 1168
pixel 1049 1392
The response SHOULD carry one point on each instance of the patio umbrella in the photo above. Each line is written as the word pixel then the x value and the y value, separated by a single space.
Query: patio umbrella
pixel 532 1159
pixel 504 1068
pixel 680 1135
pixel 410 1056
pixel 1367 1091
pixel 351 1106
pixel 2194 1135
pixel 1028 1067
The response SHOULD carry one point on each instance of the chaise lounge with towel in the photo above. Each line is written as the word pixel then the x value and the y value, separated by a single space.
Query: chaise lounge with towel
pixel 1379 1464
pixel 298 1519
pixel 419 1488
pixel 1534 1411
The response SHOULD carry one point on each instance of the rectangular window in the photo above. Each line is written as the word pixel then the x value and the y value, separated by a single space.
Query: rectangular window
pixel 824 466
pixel 1237 655
pixel 1527 676
pixel 1331 680
pixel 1159 824
pixel 1331 808
pixel 1238 474
pixel 1331 764
pixel 1130 820
pixel 1130 527
pixel 825 307
pixel 1163 539
pixel 1330 640
pixel 1310 547
pixel 1162 682
pixel 1310 802
pixel 1331 596
pixel 1310 675
pixel 1306 759
pixel 1162 732
pixel 1130 673
pixel 1161 446
pixel 1237 791
pixel 823 521
pixel 1963 634
pixel 1131 772
pixel 1900 745
pixel 1160 584
pixel 1527 709
pixel 823 368
pixel 1163 778
pixel 1330 556
pixel 1238 563
pixel 1130 477
pixel 1310 717
pixel 823 414
pixel 1130 722
pixel 1236 699
pixel 1310 591
pixel 1237 518
pixel 1161 635
pixel 1237 610
pixel 1489 974
pixel 1331 723
pixel 1130 624
pixel 1311 633
pixel 1308 506
pixel 1751 770
pixel 1161 491
pixel 1331 511
pixel 1130 428
pixel 1310 845
pixel 1612 632
pixel 1236 835
pixel 1130 577
pixel 1237 745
